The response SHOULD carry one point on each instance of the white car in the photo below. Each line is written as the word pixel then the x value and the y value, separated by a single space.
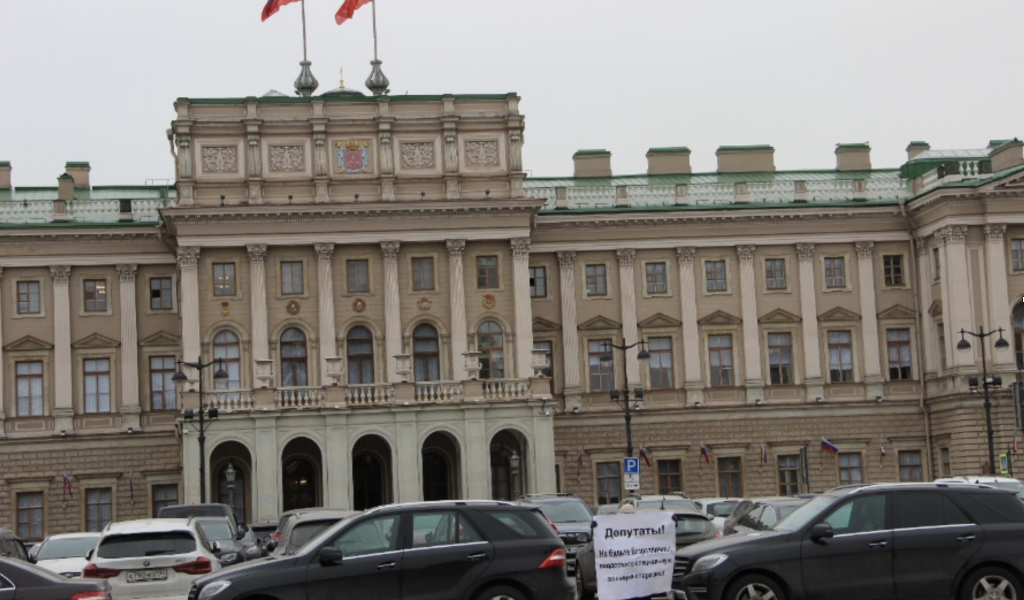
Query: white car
pixel 156 559
pixel 65 554
pixel 718 509
pixel 1006 483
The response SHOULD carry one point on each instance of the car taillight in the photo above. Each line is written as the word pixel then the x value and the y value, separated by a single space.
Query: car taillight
pixel 275 536
pixel 718 534
pixel 91 571
pixel 199 566
pixel 90 596
pixel 554 560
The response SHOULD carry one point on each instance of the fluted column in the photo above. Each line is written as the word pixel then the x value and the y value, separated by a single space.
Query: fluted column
pixel 627 292
pixel 694 381
pixel 258 300
pixel 869 319
pixel 392 307
pixel 188 263
pixel 570 338
pixel 3 416
pixel 130 408
pixel 809 315
pixel 325 289
pixel 457 290
pixel 753 380
pixel 956 281
pixel 63 374
pixel 924 290
pixel 998 294
pixel 524 313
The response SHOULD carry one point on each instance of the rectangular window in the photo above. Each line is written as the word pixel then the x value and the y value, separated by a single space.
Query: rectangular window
pixel 720 359
pixel 487 272
pixel 714 275
pixel 29 381
pixel 835 272
pixel 840 356
pixel 162 394
pixel 28 298
pixel 1017 254
pixel 95 295
pixel 597 280
pixel 97 385
pixel 538 282
pixel 223 279
pixel 164 495
pixel 661 363
pixel 358 273
pixel 97 509
pixel 945 462
pixel 789 474
pixel 160 293
pixel 780 358
pixel 600 375
pixel 936 264
pixel 608 486
pixel 30 516
pixel 670 476
pixel 291 278
pixel 850 471
pixel 892 266
pixel 730 477
pixel 898 341
pixel 423 273
pixel 775 273
pixel 910 466
pixel 942 346
pixel 657 278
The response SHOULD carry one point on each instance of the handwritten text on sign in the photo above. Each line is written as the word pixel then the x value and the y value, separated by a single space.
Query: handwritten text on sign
pixel 634 554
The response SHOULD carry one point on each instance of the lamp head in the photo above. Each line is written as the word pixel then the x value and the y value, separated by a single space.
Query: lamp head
pixel 1001 343
pixel 230 473
pixel 606 360
pixel 972 383
pixel 179 377
pixel 963 345
pixel 189 414
pixel 638 393
pixel 614 395
pixel 212 413
pixel 513 461
pixel 643 354
pixel 220 373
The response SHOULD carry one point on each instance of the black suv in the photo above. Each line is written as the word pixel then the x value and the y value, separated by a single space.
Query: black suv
pixel 571 516
pixel 871 541
pixel 465 550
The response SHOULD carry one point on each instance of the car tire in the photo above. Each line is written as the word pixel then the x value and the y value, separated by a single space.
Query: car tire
pixel 988 580
pixel 581 589
pixel 501 592
pixel 754 587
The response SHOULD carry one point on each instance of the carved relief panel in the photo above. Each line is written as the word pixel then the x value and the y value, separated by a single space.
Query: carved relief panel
pixel 353 156
pixel 483 152
pixel 219 158
pixel 287 158
pixel 419 154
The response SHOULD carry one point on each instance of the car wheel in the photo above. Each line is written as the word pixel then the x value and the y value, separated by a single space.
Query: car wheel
pixel 992 583
pixel 501 592
pixel 581 588
pixel 754 587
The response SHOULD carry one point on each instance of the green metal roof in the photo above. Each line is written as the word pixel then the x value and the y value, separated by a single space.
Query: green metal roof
pixel 669 150
pixel 712 207
pixel 754 147
pixel 860 146
pixel 5 163
pixel 697 178
pixel 76 164
pixel 592 153
pixel 111 192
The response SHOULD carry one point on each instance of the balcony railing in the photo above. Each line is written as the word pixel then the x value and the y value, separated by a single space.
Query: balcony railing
pixel 506 389
pixel 367 394
pixel 298 397
pixel 84 211
pixel 230 400
pixel 440 391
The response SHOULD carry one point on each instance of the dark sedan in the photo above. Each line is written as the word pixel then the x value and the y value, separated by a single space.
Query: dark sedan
pixel 19 579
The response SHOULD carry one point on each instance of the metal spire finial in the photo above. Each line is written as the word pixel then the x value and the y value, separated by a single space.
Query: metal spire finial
pixel 341 77
pixel 305 83
pixel 376 82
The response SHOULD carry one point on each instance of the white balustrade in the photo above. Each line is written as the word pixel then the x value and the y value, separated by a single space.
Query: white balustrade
pixel 591 196
pixel 367 394
pixel 149 210
pixel 712 193
pixel 94 211
pixel 440 391
pixel 506 389
pixel 651 194
pixel 230 400
pixel 298 397
pixel 39 211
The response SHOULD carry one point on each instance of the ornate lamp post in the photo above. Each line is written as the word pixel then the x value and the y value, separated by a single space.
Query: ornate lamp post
pixel 202 413
pixel 986 382
pixel 229 475
pixel 623 399
pixel 513 463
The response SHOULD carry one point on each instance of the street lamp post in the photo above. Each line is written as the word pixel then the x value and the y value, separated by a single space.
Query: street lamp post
pixel 623 400
pixel 986 382
pixel 229 476
pixel 212 413
pixel 513 462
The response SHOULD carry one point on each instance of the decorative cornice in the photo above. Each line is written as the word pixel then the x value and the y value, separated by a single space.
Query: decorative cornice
pixel 865 249
pixel 79 238
pixel 954 234
pixel 455 248
pixel 520 247
pixel 257 253
pixel 389 250
pixel 395 211
pixel 746 252
pixel 626 257
pixel 685 254
pixel 60 273
pixel 188 257
pixel 805 251
pixel 567 259
pixel 127 272
pixel 324 251
pixel 995 233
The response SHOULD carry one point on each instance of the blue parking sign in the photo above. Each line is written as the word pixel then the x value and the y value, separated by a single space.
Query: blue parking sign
pixel 631 464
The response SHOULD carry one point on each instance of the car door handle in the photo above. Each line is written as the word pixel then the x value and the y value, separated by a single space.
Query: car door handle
pixel 966 538
pixel 477 557
pixel 386 566
pixel 881 544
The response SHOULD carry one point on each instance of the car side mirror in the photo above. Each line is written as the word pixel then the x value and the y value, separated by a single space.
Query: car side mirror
pixel 821 531
pixel 88 555
pixel 32 559
pixel 271 545
pixel 215 547
pixel 240 533
pixel 329 555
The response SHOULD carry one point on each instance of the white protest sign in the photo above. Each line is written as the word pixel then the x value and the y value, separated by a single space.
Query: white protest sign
pixel 634 554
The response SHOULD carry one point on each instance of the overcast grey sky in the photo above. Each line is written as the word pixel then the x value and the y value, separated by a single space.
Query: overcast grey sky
pixel 96 81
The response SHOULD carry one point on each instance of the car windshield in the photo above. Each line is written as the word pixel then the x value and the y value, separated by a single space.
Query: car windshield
pixel 67 548
pixel 146 544
pixel 566 512
pixel 785 511
pixel 692 524
pixel 802 515
pixel 722 509
pixel 666 503
pixel 216 530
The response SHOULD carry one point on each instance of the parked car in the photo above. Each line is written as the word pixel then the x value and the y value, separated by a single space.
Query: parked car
pixel 761 514
pixel 306 525
pixel 692 526
pixel 718 509
pixel 1006 483
pixel 232 547
pixel 870 541
pixel 151 558
pixel 571 517
pixel 262 531
pixel 476 550
pixel 11 545
pixel 183 511
pixel 607 509
pixel 65 554
pixel 20 579
pixel 668 502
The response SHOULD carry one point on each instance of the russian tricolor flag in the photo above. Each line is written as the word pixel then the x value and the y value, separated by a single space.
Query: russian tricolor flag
pixel 827 446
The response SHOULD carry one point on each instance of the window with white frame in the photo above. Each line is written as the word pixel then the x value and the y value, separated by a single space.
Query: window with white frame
pixel 291 278
pixel 892 268
pixel 29 384
pixel 835 272
pixel 714 275
pixel 775 273
pixel 28 298
pixel 597 280
pixel 657 278
pixel 223 279
pixel 720 360
pixel 840 356
pixel 538 282
pixel 94 293
pixel 160 296
pixel 898 342
pixel 660 363
pixel 96 373
pixel 780 358
pixel 162 394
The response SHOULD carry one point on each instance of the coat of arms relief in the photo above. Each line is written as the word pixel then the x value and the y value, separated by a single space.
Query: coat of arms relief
pixel 353 156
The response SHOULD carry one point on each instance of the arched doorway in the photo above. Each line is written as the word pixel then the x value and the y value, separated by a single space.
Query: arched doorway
pixel 508 465
pixel 227 458
pixel 440 467
pixel 371 472
pixel 301 468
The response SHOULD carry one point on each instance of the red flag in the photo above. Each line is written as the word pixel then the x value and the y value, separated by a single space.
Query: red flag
pixel 348 9
pixel 272 6
pixel 645 454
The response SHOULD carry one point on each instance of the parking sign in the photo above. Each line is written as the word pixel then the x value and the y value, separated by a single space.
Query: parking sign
pixel 631 464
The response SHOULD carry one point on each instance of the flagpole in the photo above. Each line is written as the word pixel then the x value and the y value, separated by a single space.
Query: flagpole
pixel 377 82
pixel 305 84
pixel 304 58
pixel 373 7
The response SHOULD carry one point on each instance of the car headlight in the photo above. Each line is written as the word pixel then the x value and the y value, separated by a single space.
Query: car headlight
pixel 583 538
pixel 229 558
pixel 213 589
pixel 706 563
pixel 253 551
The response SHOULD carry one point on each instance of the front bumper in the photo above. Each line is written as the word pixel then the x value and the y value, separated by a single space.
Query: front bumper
pixel 570 558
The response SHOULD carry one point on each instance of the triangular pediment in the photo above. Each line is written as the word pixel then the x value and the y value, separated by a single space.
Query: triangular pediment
pixel 897 312
pixel 540 324
pixel 96 341
pixel 839 314
pixel 1015 182
pixel 600 323
pixel 720 317
pixel 780 316
pixel 161 338
pixel 28 343
pixel 659 320
pixel 935 309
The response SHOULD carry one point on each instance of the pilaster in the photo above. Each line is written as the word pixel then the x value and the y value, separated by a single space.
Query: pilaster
pixel 267 467
pixel 627 292
pixel 130 408
pixel 188 264
pixel 63 403
pixel 694 381
pixel 924 291
pixel 325 295
pixel 570 338
pixel 873 379
pixel 754 381
pixel 524 312
pixel 813 380
pixel 409 480
pixel 998 293
pixel 340 473
pixel 477 474
pixel 392 308
pixel 457 291
pixel 955 280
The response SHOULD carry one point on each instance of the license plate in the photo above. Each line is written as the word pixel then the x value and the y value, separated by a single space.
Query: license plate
pixel 146 575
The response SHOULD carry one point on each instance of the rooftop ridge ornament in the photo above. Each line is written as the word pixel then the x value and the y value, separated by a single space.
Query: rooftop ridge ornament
pixel 305 83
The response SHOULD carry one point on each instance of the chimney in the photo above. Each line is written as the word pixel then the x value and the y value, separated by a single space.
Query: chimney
pixel 5 175
pixel 746 159
pixel 1009 154
pixel 853 157
pixel 79 171
pixel 916 148
pixel 592 163
pixel 668 161
pixel 65 187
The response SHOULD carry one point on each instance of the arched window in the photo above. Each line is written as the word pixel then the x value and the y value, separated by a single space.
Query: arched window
pixel 1018 334
pixel 360 355
pixel 490 342
pixel 293 359
pixel 227 349
pixel 426 352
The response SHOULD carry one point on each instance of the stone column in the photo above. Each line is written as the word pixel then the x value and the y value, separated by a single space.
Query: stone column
pixel 956 280
pixel 188 263
pixel 267 468
pixel 754 380
pixel 337 462
pixel 408 473
pixel 457 290
pixel 3 431
pixel 476 472
pixel 392 307
pixel 524 310
pixel 627 291
pixel 64 410
pixel 258 300
pixel 924 290
pixel 540 469
pixel 873 379
pixel 325 289
pixel 998 296
pixel 130 408
pixel 694 380
pixel 809 314
pixel 570 338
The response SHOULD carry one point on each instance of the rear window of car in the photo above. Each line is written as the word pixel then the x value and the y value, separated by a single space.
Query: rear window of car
pixel 667 504
pixel 687 524
pixel 721 509
pixel 179 512
pixel 566 511
pixel 991 507
pixel 146 544
pixel 519 524
pixel 217 530
pixel 66 548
